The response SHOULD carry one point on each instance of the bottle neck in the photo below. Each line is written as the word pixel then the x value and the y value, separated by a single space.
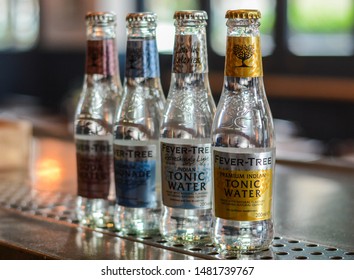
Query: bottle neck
pixel 141 29
pixel 100 32
pixel 190 48
pixel 243 49
pixel 243 27
pixel 142 58
pixel 101 52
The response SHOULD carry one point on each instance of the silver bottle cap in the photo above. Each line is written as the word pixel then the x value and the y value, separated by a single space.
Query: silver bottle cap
pixel 147 16
pixel 100 18
pixel 191 14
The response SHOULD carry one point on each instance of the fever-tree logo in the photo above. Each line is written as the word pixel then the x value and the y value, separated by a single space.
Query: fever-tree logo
pixel 243 52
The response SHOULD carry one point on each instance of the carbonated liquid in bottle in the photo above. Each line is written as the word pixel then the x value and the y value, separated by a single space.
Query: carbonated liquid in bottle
pixel 137 132
pixel 186 136
pixel 243 143
pixel 93 123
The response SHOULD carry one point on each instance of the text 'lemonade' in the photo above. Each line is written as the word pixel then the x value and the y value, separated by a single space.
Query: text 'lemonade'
pixel 137 132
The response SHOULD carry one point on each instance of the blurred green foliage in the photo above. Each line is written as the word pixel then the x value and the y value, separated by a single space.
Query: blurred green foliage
pixel 321 16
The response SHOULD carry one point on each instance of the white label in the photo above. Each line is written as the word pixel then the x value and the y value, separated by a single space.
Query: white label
pixel 186 175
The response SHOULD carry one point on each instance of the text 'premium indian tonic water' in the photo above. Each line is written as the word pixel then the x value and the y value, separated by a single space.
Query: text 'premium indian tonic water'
pixel 94 121
pixel 186 135
pixel 137 132
pixel 243 143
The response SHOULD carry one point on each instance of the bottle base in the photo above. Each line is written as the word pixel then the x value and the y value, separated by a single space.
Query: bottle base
pixel 242 237
pixel 188 239
pixel 186 226
pixel 93 213
pixel 142 222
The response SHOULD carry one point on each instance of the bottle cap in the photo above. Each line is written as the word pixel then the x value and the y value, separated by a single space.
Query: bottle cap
pixel 146 16
pixel 245 14
pixel 100 18
pixel 191 14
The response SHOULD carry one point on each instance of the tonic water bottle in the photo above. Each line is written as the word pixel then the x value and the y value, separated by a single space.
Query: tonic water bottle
pixel 243 143
pixel 186 136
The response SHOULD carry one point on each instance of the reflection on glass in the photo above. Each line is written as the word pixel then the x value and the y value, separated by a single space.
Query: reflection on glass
pixel 165 29
pixel 321 27
pixel 218 30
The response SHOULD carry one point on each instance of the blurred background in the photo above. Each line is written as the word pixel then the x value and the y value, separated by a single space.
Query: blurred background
pixel 308 61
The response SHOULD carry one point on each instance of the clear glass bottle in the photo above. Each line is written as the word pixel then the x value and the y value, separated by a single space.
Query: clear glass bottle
pixel 137 132
pixel 243 143
pixel 186 135
pixel 93 122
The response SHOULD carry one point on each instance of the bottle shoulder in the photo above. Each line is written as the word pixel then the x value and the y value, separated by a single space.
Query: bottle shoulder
pixel 142 99
pixel 191 88
pixel 243 117
pixel 140 112
pixel 188 114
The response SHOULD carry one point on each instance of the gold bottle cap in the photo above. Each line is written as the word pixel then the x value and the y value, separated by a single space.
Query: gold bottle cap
pixel 191 14
pixel 146 16
pixel 245 14
pixel 101 18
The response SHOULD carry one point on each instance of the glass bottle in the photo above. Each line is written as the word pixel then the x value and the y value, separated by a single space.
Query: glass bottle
pixel 93 122
pixel 186 135
pixel 243 143
pixel 137 132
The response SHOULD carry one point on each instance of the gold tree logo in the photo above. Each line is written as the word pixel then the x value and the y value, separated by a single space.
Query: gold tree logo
pixel 243 52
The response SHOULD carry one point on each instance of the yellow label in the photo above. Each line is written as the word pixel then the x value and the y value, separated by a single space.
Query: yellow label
pixel 243 57
pixel 243 195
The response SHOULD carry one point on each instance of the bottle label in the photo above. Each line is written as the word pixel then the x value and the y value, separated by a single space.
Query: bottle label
pixel 243 57
pixel 243 185
pixel 142 59
pixel 135 175
pixel 186 176
pixel 94 156
pixel 101 57
pixel 189 55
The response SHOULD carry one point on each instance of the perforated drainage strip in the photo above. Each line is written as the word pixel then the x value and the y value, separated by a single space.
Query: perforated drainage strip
pixel 61 207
